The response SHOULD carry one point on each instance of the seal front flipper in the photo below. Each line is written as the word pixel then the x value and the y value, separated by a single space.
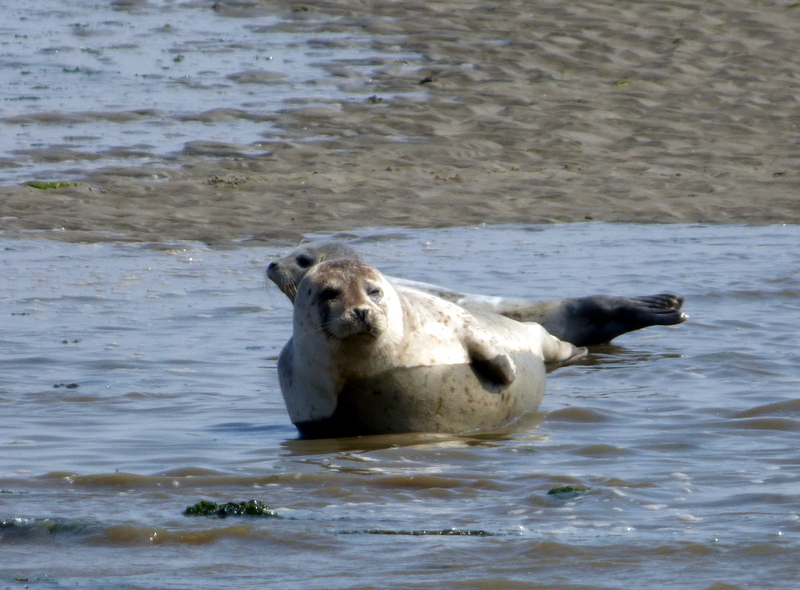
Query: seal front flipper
pixel 489 363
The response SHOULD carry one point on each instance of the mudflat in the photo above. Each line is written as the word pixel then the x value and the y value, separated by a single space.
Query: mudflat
pixel 523 112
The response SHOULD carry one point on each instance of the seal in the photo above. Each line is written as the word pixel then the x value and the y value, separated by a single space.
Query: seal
pixel 583 321
pixel 368 357
pixel 288 271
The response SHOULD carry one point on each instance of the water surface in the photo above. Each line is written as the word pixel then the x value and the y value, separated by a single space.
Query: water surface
pixel 91 84
pixel 137 380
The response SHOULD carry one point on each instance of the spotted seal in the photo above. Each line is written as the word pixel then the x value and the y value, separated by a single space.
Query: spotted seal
pixel 370 357
pixel 583 321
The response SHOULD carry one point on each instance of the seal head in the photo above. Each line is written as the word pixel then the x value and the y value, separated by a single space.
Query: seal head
pixel 345 298
pixel 287 272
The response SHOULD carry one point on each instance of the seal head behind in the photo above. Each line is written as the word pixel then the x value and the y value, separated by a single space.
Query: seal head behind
pixel 287 272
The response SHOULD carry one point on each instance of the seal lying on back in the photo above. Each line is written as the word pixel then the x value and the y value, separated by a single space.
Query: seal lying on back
pixel 366 357
pixel 583 321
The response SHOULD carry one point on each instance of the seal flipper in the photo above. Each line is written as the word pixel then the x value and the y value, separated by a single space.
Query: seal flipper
pixel 498 370
pixel 488 363
pixel 601 318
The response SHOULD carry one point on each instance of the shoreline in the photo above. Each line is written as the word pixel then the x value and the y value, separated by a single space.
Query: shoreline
pixel 689 117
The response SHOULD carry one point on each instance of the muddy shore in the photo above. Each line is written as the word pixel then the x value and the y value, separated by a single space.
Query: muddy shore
pixel 533 112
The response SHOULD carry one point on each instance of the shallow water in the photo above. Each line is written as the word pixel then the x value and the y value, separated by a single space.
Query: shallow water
pixel 92 84
pixel 137 380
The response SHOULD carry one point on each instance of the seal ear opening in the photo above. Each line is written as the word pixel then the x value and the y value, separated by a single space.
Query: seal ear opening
pixel 495 372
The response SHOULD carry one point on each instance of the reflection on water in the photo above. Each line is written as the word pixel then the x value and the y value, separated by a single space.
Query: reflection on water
pixel 135 382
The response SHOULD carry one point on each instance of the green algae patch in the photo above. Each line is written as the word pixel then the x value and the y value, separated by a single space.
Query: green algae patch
pixel 568 490
pixel 249 508
pixel 45 186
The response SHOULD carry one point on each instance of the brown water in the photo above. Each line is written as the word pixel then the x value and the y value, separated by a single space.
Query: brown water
pixel 138 380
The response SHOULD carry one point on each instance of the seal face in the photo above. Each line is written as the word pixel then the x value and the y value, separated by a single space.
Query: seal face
pixel 345 299
pixel 366 357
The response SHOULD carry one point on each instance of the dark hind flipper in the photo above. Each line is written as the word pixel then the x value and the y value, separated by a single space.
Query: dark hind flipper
pixel 601 318
pixel 653 310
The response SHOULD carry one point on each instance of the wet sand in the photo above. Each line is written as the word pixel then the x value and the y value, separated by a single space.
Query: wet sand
pixel 535 112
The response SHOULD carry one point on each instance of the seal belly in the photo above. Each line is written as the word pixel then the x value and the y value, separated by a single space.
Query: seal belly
pixel 440 398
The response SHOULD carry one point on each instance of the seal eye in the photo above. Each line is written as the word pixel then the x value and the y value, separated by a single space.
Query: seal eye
pixel 329 294
pixel 304 261
pixel 375 293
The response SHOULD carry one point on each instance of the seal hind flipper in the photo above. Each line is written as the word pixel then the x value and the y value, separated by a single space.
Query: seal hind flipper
pixel 601 318
pixel 663 309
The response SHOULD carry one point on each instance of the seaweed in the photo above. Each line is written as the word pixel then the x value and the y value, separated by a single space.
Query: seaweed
pixel 575 490
pixel 42 185
pixel 248 508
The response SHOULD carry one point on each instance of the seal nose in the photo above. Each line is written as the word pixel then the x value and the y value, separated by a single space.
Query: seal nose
pixel 361 314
